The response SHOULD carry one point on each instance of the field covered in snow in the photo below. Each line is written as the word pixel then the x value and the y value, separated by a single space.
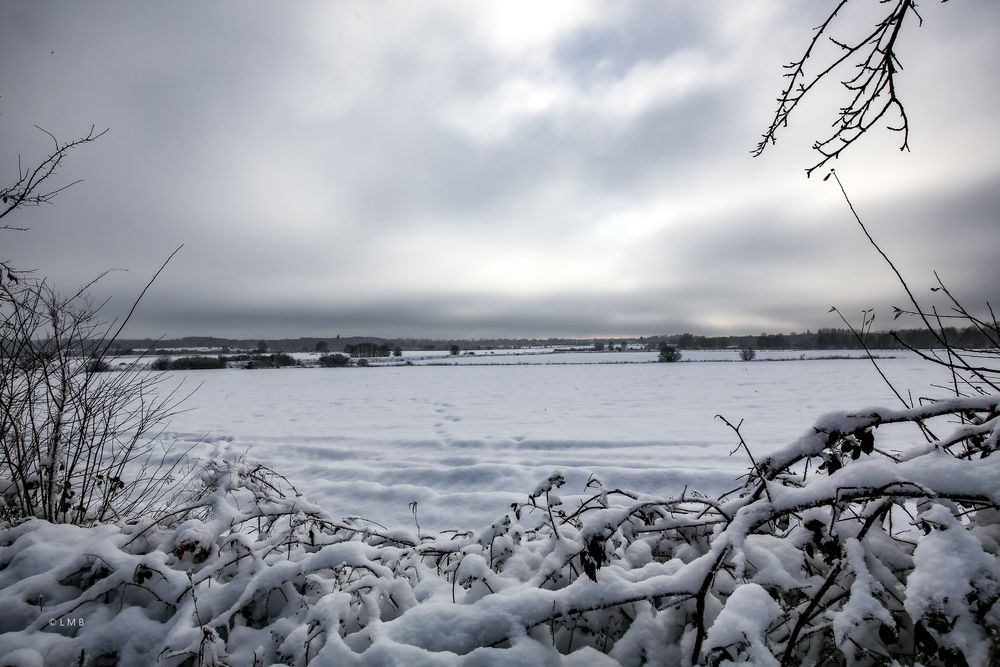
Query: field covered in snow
pixel 562 514
pixel 465 441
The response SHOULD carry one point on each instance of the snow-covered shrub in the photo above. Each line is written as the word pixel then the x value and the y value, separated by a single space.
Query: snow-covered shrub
pixel 161 363
pixel 276 360
pixel 669 353
pixel 833 550
pixel 196 362
pixel 333 360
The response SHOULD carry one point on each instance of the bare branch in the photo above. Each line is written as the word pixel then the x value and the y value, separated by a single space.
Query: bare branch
pixel 874 96
pixel 32 187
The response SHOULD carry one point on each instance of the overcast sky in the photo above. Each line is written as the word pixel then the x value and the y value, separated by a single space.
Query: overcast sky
pixel 473 169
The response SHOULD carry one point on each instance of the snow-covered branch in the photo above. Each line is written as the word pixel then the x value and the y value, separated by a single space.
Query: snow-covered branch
pixel 879 558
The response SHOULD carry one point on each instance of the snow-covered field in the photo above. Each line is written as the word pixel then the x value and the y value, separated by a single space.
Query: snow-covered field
pixel 467 441
pixel 834 544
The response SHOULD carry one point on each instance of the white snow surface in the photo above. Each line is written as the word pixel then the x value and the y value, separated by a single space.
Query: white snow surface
pixel 465 441
pixel 747 614
pixel 433 447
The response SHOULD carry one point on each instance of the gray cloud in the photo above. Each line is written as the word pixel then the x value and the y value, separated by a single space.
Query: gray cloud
pixel 448 170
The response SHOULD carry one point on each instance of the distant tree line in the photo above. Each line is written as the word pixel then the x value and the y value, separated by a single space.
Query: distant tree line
pixel 832 339
pixel 823 339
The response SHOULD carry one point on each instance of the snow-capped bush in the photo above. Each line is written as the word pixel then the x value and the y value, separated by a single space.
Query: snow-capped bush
pixel 669 353
pixel 879 558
